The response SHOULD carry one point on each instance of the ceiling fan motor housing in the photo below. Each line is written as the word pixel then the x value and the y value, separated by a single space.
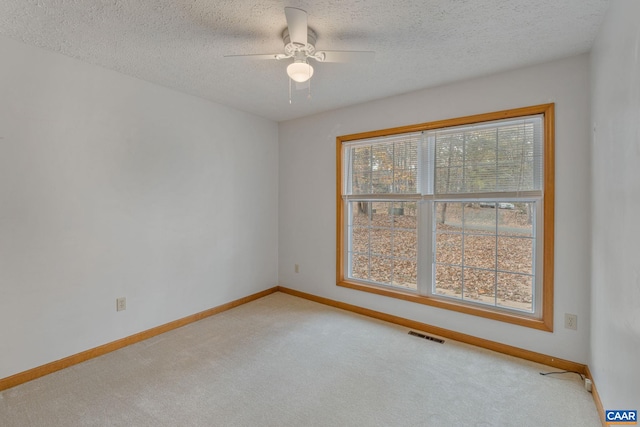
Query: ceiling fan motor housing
pixel 291 48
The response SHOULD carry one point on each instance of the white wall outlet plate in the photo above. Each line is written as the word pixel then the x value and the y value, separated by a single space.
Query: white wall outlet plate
pixel 571 321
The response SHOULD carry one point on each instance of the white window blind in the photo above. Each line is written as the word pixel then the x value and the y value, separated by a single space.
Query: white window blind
pixel 501 156
pixel 493 157
pixel 386 165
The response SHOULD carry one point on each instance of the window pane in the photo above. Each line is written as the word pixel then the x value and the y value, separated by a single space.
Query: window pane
pixel 449 248
pixel 480 161
pixel 384 242
pixel 381 242
pixel 448 216
pixel 360 267
pixel 405 244
pixel 405 173
pixel 379 217
pixel 448 280
pixel 484 240
pixel 479 285
pixel 360 240
pixel 515 157
pixel 515 291
pixel 404 215
pixel 480 218
pixel 515 254
pixel 449 163
pixel 480 251
pixel 405 273
pixel 361 170
pixel 380 269
pixel 386 166
pixel 516 219
pixel 361 215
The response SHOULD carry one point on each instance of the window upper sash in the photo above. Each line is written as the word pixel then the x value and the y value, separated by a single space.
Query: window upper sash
pixel 491 159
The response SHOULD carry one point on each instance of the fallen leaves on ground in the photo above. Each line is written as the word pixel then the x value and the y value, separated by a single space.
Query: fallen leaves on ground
pixel 476 265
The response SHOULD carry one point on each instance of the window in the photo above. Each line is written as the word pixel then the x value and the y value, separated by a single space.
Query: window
pixel 457 214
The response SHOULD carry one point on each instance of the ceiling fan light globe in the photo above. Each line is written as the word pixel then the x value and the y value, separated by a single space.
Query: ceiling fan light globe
pixel 300 71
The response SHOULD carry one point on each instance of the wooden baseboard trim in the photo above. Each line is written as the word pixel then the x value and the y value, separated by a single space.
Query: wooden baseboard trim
pixel 596 398
pixel 446 333
pixel 40 371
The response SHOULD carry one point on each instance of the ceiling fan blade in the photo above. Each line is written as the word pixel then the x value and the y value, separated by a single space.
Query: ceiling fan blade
pixel 347 56
pixel 297 24
pixel 258 56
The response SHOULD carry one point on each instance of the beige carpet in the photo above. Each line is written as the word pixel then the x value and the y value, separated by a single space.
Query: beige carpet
pixel 284 361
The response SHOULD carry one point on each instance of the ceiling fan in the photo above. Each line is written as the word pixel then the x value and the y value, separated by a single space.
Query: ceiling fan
pixel 300 45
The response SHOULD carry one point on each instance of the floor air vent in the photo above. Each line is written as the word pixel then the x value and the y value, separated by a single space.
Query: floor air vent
pixel 426 337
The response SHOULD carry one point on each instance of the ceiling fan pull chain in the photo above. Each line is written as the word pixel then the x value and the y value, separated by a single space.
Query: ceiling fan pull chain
pixel 289 90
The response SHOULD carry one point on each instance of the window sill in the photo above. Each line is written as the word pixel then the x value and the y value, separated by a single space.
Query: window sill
pixel 545 324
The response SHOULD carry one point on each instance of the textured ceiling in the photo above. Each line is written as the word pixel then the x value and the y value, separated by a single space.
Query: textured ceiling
pixel 418 43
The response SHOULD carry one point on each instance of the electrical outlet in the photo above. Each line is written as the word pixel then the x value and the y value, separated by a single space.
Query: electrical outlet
pixel 588 385
pixel 571 321
pixel 121 304
pixel 296 268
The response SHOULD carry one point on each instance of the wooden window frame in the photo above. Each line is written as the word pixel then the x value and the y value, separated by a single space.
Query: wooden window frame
pixel 545 321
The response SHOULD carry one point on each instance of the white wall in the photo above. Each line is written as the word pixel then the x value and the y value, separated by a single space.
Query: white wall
pixel 307 195
pixel 111 186
pixel 615 267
